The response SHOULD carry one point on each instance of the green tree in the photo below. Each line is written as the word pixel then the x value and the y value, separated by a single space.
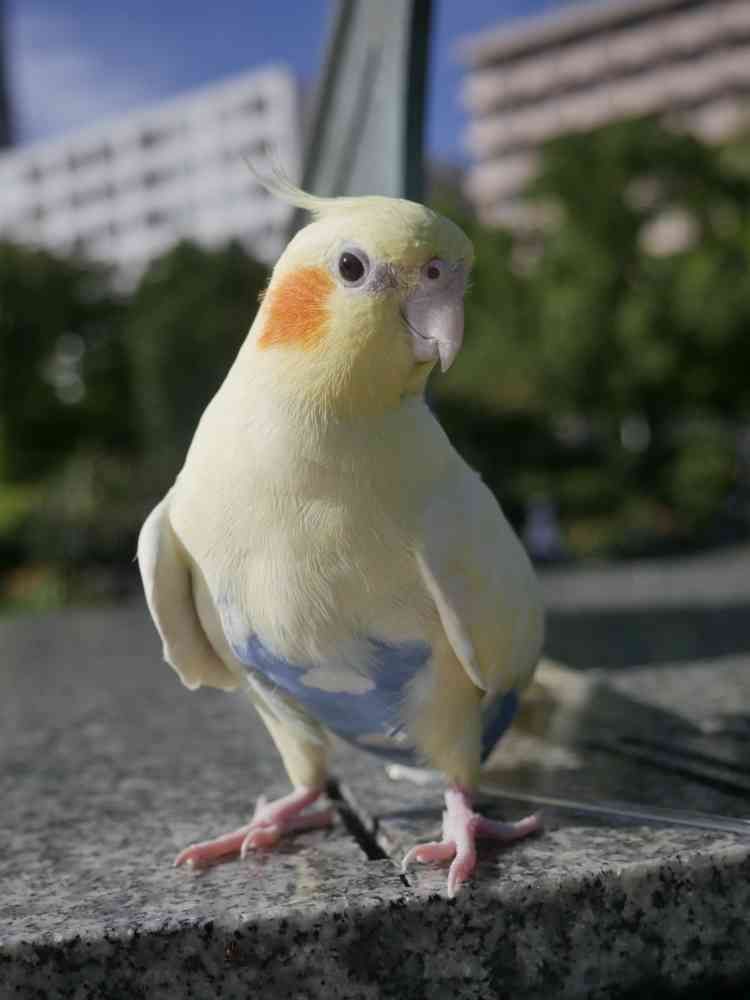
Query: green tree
pixel 640 292
pixel 63 381
pixel 606 353
pixel 64 394
pixel 187 319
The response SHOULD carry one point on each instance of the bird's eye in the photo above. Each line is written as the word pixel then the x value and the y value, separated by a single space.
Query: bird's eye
pixel 353 266
pixel 434 270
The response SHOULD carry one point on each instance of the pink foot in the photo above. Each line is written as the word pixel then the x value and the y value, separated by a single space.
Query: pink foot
pixel 271 820
pixel 461 827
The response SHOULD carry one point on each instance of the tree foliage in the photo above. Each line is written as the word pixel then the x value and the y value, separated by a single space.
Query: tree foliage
pixel 642 302
pixel 617 336
pixel 604 366
pixel 101 395
pixel 63 376
pixel 187 319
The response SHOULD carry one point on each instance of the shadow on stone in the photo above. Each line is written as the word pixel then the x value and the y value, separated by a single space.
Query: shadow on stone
pixel 623 637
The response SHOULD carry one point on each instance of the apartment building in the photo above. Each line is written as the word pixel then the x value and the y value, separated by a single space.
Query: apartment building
pixel 590 63
pixel 127 189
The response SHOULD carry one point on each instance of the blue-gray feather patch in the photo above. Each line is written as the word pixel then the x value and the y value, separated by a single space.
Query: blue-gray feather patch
pixel 371 719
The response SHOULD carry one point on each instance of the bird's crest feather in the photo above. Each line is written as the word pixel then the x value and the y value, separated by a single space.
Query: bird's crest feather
pixel 278 184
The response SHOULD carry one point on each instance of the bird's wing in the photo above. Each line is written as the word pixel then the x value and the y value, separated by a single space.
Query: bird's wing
pixel 165 571
pixel 482 583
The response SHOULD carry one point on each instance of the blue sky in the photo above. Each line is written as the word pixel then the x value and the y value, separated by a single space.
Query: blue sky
pixel 76 62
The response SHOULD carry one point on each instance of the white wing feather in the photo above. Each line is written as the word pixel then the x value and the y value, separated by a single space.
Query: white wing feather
pixel 483 585
pixel 169 593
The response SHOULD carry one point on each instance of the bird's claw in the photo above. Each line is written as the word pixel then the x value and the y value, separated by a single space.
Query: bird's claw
pixel 270 821
pixel 461 828
pixel 443 850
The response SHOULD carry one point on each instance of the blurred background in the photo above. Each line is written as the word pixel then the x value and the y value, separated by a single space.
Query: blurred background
pixel 598 154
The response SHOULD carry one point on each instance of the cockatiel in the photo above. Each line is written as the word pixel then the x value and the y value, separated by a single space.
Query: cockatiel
pixel 325 546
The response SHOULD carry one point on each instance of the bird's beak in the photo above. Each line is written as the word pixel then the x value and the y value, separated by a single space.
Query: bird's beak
pixel 435 318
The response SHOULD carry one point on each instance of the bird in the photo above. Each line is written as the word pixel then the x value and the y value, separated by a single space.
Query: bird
pixel 325 547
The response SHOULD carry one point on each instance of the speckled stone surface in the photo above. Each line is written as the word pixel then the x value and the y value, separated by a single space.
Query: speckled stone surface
pixel 107 766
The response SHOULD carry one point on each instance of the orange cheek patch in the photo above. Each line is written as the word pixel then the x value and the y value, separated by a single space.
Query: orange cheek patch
pixel 298 309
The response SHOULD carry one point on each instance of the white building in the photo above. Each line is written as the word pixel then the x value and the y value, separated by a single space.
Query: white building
pixel 589 63
pixel 127 189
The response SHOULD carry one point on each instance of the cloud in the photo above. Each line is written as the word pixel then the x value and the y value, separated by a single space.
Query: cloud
pixel 61 82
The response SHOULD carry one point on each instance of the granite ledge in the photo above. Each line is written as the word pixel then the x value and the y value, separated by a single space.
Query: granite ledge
pixel 366 934
pixel 108 766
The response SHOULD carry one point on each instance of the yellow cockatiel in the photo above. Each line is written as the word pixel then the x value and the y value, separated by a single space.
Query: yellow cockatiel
pixel 325 546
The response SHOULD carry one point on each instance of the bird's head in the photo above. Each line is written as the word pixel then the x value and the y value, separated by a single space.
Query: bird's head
pixel 363 301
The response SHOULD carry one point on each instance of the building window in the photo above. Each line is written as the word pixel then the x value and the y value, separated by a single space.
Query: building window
pixel 259 148
pixel 33 174
pixel 87 196
pixel 153 177
pixel 254 106
pixel 150 137
pixel 89 157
